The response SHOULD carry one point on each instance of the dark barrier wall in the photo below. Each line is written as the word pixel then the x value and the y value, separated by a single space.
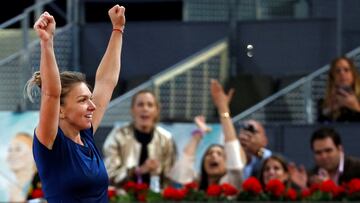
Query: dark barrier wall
pixel 350 15
pixel 148 47
pixel 286 47
pixel 280 47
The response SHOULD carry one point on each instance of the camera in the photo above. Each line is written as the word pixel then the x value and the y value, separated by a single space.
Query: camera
pixel 248 127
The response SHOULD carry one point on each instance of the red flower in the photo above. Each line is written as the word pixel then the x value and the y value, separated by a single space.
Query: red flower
pixel 228 189
pixel 37 193
pixel 141 187
pixel 340 190
pixel 181 194
pixel 354 186
pixel 291 194
pixel 171 193
pixel 141 197
pixel 129 186
pixel 252 185
pixel 314 187
pixel 111 192
pixel 329 186
pixel 214 190
pixel 275 187
pixel 305 193
pixel 191 186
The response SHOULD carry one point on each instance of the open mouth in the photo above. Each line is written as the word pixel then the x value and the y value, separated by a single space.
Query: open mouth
pixel 214 164
pixel 145 117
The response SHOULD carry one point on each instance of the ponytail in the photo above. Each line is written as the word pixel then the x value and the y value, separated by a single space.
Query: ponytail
pixel 31 84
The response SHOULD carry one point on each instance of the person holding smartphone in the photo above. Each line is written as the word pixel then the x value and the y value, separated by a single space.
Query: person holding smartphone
pixel 253 139
pixel 341 102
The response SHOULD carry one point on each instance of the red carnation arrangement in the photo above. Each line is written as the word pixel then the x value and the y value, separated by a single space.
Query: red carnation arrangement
pixel 171 193
pixel 252 190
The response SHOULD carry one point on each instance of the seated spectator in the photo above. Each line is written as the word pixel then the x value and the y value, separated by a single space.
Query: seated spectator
pixel 276 167
pixel 142 149
pixel 219 164
pixel 253 139
pixel 330 160
pixel 342 96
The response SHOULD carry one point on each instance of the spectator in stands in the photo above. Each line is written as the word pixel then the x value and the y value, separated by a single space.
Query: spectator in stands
pixel 142 149
pixel 69 164
pixel 253 139
pixel 220 163
pixel 342 96
pixel 276 167
pixel 330 160
pixel 21 163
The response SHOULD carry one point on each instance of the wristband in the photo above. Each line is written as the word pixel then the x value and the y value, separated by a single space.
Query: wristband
pixel 197 132
pixel 118 30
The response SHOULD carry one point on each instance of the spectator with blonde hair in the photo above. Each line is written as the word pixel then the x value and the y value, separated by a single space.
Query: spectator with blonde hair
pixel 141 150
pixel 22 164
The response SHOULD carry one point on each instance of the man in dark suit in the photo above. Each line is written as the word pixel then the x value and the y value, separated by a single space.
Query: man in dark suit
pixel 330 160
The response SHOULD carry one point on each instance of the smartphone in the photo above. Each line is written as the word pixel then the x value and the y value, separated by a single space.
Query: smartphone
pixel 347 89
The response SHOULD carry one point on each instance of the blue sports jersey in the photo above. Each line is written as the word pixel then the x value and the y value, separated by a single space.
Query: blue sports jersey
pixel 70 172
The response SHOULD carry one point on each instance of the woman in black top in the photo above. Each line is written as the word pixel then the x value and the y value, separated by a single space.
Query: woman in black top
pixel 342 96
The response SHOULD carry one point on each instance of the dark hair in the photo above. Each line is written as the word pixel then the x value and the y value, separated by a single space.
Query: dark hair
pixel 277 157
pixel 325 132
pixel 204 177
pixel 68 80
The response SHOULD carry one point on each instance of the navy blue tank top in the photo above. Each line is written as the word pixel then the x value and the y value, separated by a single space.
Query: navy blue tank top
pixel 70 172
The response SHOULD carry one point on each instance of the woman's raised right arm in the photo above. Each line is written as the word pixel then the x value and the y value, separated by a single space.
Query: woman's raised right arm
pixel 50 81
pixel 221 100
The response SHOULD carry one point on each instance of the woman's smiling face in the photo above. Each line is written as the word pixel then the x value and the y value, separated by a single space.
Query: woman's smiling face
pixel 274 170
